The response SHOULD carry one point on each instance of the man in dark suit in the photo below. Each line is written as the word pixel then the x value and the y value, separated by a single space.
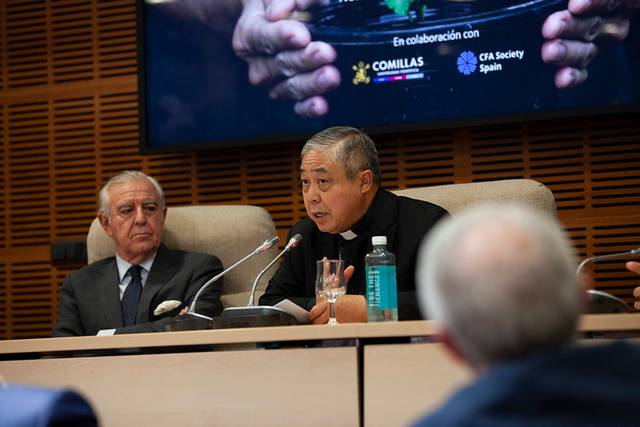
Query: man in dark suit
pixel 499 282
pixel 345 205
pixel 145 284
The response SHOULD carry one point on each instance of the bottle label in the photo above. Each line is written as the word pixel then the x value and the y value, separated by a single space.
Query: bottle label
pixel 382 291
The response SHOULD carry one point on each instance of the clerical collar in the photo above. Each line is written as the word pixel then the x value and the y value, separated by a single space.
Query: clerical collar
pixel 348 235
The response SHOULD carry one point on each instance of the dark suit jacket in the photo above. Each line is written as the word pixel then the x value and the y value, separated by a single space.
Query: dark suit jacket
pixel 90 300
pixel 583 385
pixel 403 220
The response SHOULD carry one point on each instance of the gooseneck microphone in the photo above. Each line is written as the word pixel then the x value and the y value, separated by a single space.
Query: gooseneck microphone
pixel 618 255
pixel 293 242
pixel 600 301
pixel 258 315
pixel 267 244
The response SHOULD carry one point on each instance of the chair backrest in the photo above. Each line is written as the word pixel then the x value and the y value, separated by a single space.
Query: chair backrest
pixel 455 197
pixel 228 232
pixel 231 232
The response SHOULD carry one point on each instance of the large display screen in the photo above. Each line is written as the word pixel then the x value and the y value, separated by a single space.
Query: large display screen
pixel 226 72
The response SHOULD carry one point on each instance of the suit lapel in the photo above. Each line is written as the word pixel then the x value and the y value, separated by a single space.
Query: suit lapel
pixel 107 284
pixel 163 268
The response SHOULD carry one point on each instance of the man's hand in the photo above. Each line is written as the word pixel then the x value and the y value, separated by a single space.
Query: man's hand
pixel 572 35
pixel 349 308
pixel 280 53
pixel 634 266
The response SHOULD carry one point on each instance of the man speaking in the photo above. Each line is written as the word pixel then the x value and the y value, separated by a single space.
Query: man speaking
pixel 340 176
pixel 121 293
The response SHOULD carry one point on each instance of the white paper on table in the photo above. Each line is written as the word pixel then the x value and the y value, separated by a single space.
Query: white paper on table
pixel 301 315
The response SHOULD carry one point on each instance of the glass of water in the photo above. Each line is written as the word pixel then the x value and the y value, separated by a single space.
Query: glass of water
pixel 330 284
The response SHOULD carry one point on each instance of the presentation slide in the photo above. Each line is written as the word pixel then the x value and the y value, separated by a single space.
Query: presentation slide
pixel 397 64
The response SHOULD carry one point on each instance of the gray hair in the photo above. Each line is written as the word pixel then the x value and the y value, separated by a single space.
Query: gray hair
pixel 500 280
pixel 349 147
pixel 121 178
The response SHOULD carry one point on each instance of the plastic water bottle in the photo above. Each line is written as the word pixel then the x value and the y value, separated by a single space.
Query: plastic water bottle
pixel 382 291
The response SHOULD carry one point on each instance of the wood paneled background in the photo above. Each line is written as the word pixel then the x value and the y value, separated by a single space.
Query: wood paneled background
pixel 68 105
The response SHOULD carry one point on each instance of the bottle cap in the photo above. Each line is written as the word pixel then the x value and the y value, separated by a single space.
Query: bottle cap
pixel 379 240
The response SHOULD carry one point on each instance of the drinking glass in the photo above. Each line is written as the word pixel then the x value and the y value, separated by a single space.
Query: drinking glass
pixel 330 284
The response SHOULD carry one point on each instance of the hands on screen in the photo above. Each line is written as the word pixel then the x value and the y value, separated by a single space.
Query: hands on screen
pixel 571 35
pixel 634 266
pixel 280 53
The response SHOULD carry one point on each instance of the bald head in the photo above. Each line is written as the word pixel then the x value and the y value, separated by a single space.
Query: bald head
pixel 501 282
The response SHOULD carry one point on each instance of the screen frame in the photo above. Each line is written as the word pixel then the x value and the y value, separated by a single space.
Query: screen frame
pixel 145 147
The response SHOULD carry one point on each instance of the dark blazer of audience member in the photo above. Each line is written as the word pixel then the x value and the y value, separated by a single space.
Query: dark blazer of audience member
pixel 500 282
pixel 346 206
pixel 132 212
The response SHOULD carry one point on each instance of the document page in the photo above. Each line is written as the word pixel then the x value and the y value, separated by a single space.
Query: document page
pixel 295 310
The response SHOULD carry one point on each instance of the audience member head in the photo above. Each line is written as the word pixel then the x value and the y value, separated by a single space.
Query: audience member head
pixel 500 281
pixel 131 210
pixel 340 175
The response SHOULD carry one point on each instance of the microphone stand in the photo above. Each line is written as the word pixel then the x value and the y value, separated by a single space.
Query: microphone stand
pixel 259 276
pixel 261 315
pixel 600 301
pixel 193 320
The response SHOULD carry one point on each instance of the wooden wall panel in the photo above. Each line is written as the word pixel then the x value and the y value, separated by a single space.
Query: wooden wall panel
pixel 3 179
pixel 6 331
pixel 71 41
pixel 69 109
pixel 115 23
pixel 74 180
pixel 29 166
pixel 416 159
pixel 25 50
pixel 29 299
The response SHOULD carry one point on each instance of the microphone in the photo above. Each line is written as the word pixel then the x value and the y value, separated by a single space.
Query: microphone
pixel 194 320
pixel 266 245
pixel 600 301
pixel 261 315
pixel 293 242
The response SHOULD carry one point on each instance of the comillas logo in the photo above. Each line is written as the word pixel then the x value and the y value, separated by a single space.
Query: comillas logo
pixel 360 76
pixel 397 64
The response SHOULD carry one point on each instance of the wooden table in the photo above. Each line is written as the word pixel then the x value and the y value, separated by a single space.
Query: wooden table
pixel 351 374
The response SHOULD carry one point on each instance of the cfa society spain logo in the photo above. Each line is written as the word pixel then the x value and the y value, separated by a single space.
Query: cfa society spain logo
pixel 467 63
pixel 360 77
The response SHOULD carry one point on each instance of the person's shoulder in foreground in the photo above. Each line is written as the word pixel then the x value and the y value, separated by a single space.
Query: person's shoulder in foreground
pixel 509 312
pixel 23 406
pixel 590 385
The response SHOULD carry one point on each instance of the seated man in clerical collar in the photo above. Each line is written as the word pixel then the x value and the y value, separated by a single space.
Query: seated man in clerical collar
pixel 346 206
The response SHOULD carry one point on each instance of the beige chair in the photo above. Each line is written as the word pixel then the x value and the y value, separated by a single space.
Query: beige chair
pixel 455 197
pixel 229 232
